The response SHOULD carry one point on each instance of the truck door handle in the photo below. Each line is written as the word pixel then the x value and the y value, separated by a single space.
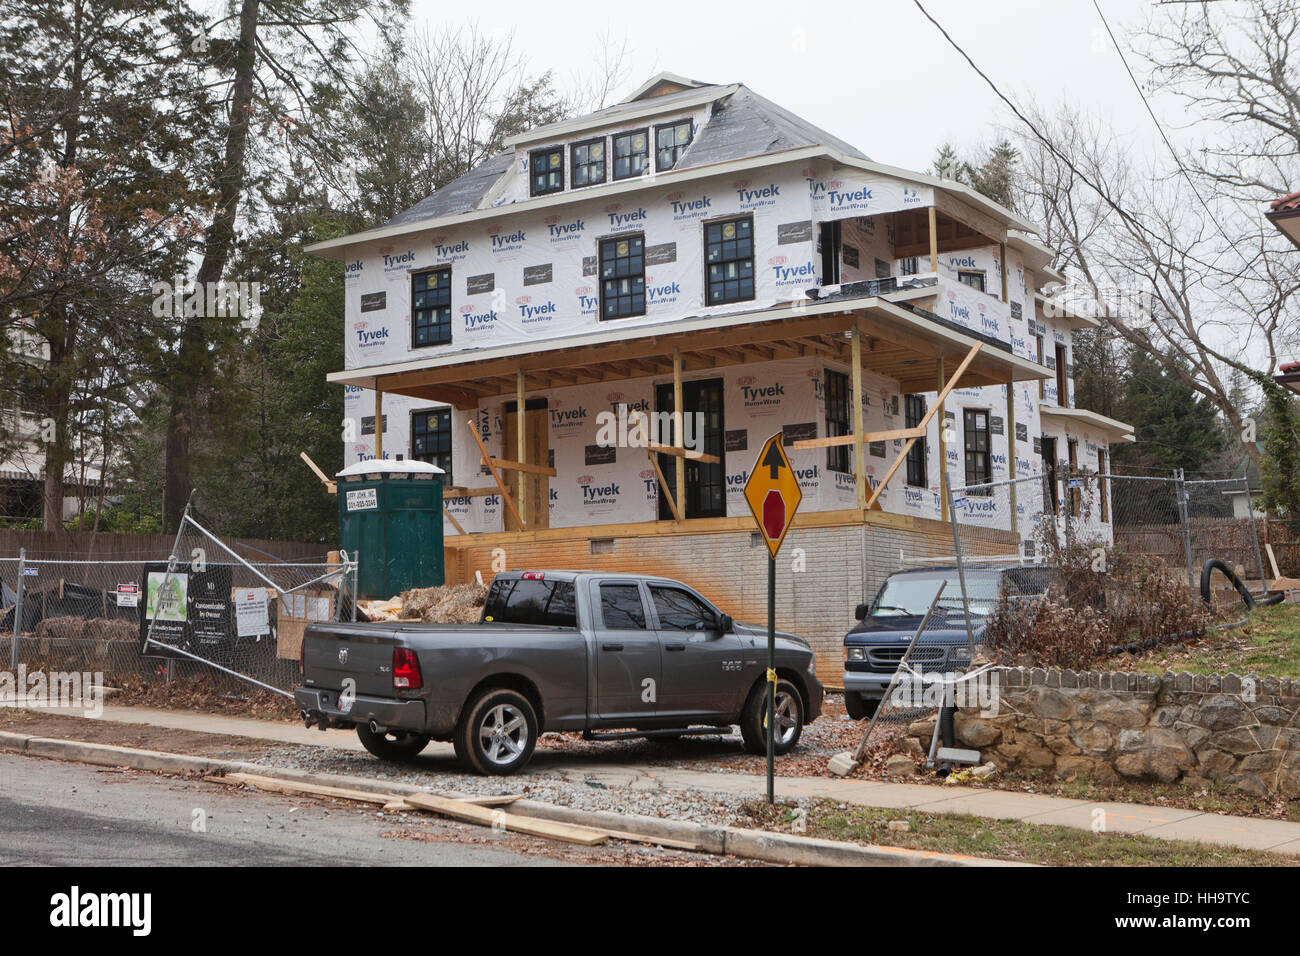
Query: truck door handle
pixel 674 647
pixel 611 647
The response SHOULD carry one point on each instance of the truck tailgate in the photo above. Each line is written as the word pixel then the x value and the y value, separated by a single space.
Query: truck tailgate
pixel 363 652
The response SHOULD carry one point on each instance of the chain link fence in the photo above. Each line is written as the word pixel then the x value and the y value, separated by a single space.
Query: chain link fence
pixel 201 610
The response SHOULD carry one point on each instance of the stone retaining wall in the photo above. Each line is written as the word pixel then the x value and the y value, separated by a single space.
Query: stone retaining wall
pixel 1243 731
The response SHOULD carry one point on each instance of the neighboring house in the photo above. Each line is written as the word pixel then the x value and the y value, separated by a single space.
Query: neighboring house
pixel 699 246
pixel 1284 213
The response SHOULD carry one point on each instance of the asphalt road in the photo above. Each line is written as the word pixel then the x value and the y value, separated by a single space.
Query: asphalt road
pixel 63 814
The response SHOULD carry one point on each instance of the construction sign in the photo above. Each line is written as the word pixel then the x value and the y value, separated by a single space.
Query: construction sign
pixel 772 493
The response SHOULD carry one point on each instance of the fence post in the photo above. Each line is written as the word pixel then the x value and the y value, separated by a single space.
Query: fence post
pixel 1063 502
pixel 18 609
pixel 961 565
pixel 1254 536
pixel 1180 484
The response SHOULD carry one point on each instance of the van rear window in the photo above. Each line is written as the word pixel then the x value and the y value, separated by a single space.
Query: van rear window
pixel 516 601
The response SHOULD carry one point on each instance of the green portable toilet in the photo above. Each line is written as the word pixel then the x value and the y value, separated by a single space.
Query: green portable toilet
pixel 390 517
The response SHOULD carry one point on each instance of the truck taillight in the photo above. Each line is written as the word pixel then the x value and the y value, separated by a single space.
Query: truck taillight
pixel 533 576
pixel 406 669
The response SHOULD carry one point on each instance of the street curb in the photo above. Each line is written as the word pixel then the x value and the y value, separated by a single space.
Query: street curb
pixel 719 840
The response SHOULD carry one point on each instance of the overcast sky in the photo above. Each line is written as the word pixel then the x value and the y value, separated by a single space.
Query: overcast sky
pixel 874 72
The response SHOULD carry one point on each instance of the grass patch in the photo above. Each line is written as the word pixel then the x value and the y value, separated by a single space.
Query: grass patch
pixel 1014 840
pixel 1268 645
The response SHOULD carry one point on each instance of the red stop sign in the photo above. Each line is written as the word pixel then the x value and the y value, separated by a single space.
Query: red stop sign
pixel 773 515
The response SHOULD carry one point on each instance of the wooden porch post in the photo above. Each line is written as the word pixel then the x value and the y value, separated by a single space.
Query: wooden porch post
pixel 943 446
pixel 1011 448
pixel 1002 253
pixel 520 453
pixel 859 456
pixel 379 423
pixel 934 240
pixel 679 438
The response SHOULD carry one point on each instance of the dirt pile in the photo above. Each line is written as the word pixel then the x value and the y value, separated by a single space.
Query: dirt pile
pixel 450 604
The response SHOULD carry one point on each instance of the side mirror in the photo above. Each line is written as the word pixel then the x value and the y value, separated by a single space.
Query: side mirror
pixel 725 623
pixel 861 611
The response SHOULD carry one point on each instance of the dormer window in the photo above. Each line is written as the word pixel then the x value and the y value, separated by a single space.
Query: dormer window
pixel 670 142
pixel 588 162
pixel 631 153
pixel 546 169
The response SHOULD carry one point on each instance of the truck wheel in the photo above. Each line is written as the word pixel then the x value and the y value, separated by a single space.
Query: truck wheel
pixel 858 707
pixel 789 718
pixel 498 732
pixel 393 744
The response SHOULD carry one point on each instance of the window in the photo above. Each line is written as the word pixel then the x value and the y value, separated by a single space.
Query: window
pixel 837 419
pixel 830 241
pixel 978 470
pixel 670 142
pixel 546 168
pixel 1039 340
pixel 431 437
pixel 680 611
pixel 631 154
pixel 1062 379
pixel 622 277
pixel 621 608
pixel 729 259
pixel 908 266
pixel 1076 493
pixel 1101 484
pixel 588 160
pixel 913 412
pixel 431 308
pixel 971 278
pixel 1049 472
pixel 520 601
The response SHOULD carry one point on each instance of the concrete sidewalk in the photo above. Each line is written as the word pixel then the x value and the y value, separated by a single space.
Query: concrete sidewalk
pixel 1276 836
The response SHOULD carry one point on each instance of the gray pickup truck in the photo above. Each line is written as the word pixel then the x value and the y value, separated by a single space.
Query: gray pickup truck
pixel 577 651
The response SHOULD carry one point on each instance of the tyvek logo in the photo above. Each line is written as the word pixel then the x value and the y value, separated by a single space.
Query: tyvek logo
pixel 352 269
pixel 530 313
pixel 840 197
pixel 598 496
pixel 624 220
pixel 661 294
pixel 959 312
pixel 684 208
pixel 367 337
pixel 478 321
pixel 399 263
pixel 910 196
pixel 808 477
pixel 616 399
pixel 651 484
pixel 962 262
pixel 787 274
pixel 752 196
pixel 557 231
pixel 757 396
pixel 505 242
pixel 588 301
pixel 568 419
pixel 450 250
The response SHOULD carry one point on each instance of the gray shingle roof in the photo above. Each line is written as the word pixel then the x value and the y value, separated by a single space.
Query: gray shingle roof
pixel 742 125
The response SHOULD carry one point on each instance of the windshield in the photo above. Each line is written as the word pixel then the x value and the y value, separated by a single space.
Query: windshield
pixel 910 594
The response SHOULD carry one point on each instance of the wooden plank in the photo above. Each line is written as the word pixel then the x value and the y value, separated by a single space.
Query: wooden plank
pixel 487 460
pixel 934 239
pixel 458 492
pixel 859 451
pixel 925 421
pixel 663 485
pixel 506 464
pixel 679 437
pixel 835 440
pixel 690 453
pixel 1268 546
pixel 452 518
pixel 521 452
pixel 302 787
pixel 566 832
pixel 379 425
pixel 485 801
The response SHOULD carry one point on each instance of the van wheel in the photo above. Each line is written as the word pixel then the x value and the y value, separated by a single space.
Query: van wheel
pixel 398 745
pixel 789 719
pixel 858 707
pixel 498 732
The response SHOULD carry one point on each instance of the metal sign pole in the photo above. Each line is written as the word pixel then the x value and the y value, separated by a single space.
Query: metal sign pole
pixel 771 677
pixel 18 609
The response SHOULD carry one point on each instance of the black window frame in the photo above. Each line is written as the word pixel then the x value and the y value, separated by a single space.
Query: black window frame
pixel 909 266
pixel 964 275
pixel 563 592
pixel 632 297
pixel 614 154
pixel 675 148
pixel 441 434
pixel 618 625
pixel 977 475
pixel 708 619
pixel 575 164
pixel 722 243
pixel 837 390
pixel 913 411
pixel 440 325
pixel 1061 356
pixel 532 171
